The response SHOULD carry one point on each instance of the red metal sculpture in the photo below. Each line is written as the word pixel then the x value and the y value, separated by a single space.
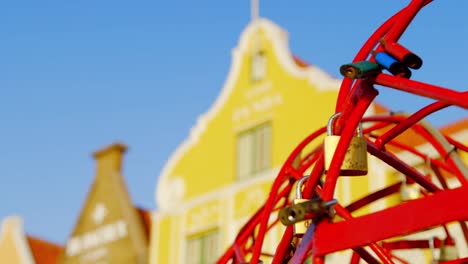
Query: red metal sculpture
pixel 374 236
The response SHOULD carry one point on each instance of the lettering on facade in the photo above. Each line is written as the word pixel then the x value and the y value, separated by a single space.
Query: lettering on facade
pixel 98 237
pixel 203 216
pixel 101 236
pixel 262 105
pixel 260 98
pixel 257 90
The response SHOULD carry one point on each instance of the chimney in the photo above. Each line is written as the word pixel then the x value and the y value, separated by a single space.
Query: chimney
pixel 109 159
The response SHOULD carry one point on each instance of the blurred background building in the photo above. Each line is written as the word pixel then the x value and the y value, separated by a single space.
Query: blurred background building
pixel 109 229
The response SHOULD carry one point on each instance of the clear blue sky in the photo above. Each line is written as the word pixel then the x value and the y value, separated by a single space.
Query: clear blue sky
pixel 76 75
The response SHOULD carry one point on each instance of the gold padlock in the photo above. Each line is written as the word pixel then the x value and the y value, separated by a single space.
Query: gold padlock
pixel 448 252
pixel 355 160
pixel 300 228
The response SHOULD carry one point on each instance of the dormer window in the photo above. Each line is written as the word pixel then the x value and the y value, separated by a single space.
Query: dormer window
pixel 258 64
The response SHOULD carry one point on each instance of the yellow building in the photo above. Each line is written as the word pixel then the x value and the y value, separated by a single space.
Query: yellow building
pixel 270 101
pixel 220 175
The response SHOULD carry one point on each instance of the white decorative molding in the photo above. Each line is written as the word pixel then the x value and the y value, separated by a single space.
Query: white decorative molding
pixel 230 190
pixel 279 39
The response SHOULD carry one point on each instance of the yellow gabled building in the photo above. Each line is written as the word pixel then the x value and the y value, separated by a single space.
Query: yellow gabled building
pixel 221 174
pixel 270 101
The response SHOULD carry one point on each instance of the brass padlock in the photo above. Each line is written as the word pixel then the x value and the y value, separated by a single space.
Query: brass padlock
pixel 300 228
pixel 448 252
pixel 355 160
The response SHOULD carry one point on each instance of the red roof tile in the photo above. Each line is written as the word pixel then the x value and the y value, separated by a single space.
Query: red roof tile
pixel 145 216
pixel 299 62
pixel 44 252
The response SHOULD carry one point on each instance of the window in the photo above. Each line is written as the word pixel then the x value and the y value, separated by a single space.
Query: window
pixel 254 151
pixel 258 65
pixel 203 249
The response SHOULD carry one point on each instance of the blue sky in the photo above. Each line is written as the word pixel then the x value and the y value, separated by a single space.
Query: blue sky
pixel 76 75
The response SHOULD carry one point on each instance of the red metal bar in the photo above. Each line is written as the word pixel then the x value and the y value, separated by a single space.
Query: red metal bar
pixel 410 244
pixel 363 53
pixel 402 167
pixel 365 255
pixel 443 153
pixel 256 219
pixel 316 174
pixel 319 260
pixel 404 20
pixel 238 252
pixel 355 258
pixel 437 209
pixel 406 123
pixel 427 90
pixel 271 199
pixel 283 246
pixel 381 252
pixel 457 144
pixel 248 229
pixel 394 188
pixel 307 243
pixel 315 158
pixel 402 261
pixel 421 155
pixel 350 103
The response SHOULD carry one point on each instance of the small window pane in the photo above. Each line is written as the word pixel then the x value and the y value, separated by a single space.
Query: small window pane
pixel 203 249
pixel 245 155
pixel 211 248
pixel 254 151
pixel 194 249
pixel 263 148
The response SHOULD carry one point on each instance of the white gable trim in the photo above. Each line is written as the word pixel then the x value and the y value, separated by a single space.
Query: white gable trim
pixel 279 39
pixel 14 226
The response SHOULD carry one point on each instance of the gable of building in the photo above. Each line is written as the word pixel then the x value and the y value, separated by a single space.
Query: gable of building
pixel 109 228
pixel 266 85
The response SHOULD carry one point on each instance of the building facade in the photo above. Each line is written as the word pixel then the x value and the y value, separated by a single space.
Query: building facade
pixel 221 174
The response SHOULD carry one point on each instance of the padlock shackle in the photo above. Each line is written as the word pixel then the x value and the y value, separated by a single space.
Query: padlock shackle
pixel 330 123
pixel 432 249
pixel 299 185
pixel 332 120
pixel 359 129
